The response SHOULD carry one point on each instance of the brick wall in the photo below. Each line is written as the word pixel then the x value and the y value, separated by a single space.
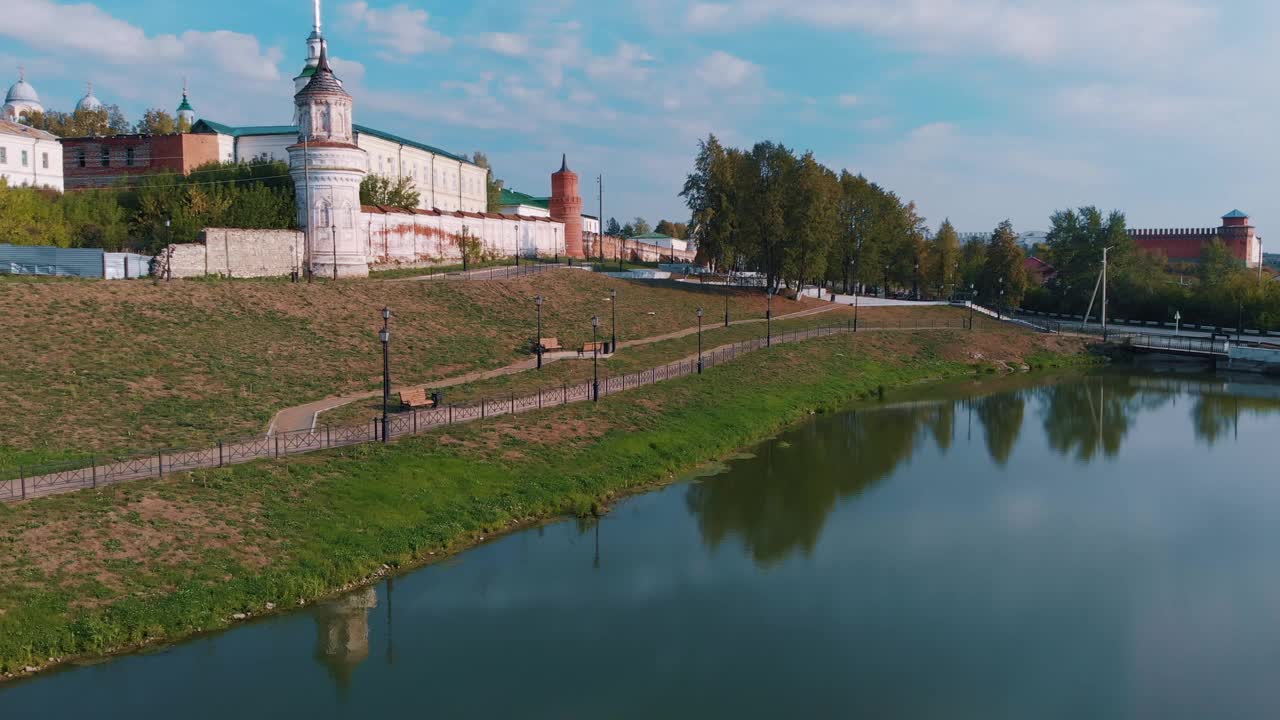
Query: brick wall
pixel 150 153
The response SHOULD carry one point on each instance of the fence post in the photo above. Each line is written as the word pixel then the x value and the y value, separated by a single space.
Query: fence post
pixel 160 461
pixel 415 422
pixel 513 402
pixel 277 444
pixel 95 472
pixel 22 476
pixel 328 436
pixel 539 398
pixel 451 414
pixel 482 404
pixel 220 460
pixel 564 393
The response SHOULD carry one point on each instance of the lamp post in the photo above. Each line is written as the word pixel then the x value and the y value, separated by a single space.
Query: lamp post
pixel 768 319
pixel 1177 322
pixel 855 311
pixel 333 232
pixel 168 231
pixel 595 358
pixel 973 300
pixel 886 281
pixel 915 282
pixel 385 336
pixel 613 307
pixel 726 303
pixel 1000 300
pixel 699 341
pixel 537 301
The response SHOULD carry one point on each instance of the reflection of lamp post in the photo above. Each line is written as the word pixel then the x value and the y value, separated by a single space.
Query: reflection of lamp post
pixel 385 336
pixel 538 340
pixel 613 306
pixel 595 357
pixel 699 341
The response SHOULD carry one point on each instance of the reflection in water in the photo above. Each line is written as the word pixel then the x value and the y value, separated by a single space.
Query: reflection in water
pixel 783 496
pixel 1001 416
pixel 342 634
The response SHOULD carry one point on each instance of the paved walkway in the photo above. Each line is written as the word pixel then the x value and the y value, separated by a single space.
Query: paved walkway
pixel 306 416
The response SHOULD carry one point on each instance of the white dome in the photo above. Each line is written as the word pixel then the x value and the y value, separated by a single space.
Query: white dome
pixel 89 102
pixel 22 92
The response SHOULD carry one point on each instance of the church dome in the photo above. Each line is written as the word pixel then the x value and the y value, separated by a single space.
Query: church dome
pixel 89 101
pixel 22 92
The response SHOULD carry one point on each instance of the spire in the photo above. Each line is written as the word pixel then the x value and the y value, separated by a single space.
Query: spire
pixel 564 163
pixel 323 66
pixel 317 23
pixel 22 73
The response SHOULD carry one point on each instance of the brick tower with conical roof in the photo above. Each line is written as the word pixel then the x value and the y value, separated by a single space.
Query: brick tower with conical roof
pixel 566 207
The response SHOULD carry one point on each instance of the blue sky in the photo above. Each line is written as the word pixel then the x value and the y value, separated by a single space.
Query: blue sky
pixel 976 109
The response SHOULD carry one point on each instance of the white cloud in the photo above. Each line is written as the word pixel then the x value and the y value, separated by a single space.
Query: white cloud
pixel 402 29
pixel 94 36
pixel 629 64
pixel 847 100
pixel 1038 30
pixel 509 44
pixel 723 71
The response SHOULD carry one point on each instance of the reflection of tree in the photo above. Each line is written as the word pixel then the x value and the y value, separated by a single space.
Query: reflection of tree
pixel 943 424
pixel 1001 417
pixel 342 634
pixel 1215 415
pixel 1096 414
pixel 778 501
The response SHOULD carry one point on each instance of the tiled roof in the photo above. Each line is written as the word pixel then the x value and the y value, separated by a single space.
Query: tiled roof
pixel 1235 215
pixel 12 128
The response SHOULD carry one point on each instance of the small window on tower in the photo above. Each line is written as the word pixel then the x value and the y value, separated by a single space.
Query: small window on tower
pixel 80 158
pixel 105 156
pixel 128 157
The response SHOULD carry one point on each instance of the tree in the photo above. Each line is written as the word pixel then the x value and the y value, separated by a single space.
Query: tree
pixel 493 186
pixel 389 192
pixel 1218 265
pixel 812 219
pixel 709 193
pixel 1075 243
pixel 157 122
pixel 613 228
pixel 1003 281
pixel 640 227
pixel 945 258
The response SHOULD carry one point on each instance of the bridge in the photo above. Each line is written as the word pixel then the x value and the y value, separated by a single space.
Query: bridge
pixel 1210 348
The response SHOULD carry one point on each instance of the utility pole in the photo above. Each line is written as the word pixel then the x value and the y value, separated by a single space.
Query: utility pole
pixel 600 234
pixel 1104 292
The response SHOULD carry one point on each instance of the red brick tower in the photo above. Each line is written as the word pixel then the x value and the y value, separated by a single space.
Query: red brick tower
pixel 1239 236
pixel 566 206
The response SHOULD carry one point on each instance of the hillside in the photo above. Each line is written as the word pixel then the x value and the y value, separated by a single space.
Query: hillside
pixel 127 366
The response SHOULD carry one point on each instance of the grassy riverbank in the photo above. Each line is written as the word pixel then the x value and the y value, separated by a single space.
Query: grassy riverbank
pixel 152 561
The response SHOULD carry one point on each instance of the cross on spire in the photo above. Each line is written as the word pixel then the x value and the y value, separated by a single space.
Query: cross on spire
pixel 22 73
pixel 317 11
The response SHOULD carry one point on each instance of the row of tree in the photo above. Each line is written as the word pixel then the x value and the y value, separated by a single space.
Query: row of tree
pixel 1218 290
pixel 152 212
pixel 796 221
pixel 640 226
pixel 109 120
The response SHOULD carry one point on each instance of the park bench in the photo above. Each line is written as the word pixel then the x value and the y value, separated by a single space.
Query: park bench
pixel 548 345
pixel 416 398
pixel 591 348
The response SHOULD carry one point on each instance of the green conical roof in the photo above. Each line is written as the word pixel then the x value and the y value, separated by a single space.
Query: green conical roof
pixel 185 105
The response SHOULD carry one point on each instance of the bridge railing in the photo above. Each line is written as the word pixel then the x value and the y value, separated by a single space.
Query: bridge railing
pixel 1175 343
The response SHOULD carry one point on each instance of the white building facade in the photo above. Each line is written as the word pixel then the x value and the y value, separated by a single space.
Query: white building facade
pixel 30 157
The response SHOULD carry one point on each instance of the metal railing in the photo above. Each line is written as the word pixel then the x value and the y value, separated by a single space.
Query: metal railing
pixel 1175 343
pixel 36 481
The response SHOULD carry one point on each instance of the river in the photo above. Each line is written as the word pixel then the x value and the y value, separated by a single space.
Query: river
pixel 1057 546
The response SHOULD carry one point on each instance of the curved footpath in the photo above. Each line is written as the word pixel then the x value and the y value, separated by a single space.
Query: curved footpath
pixel 305 417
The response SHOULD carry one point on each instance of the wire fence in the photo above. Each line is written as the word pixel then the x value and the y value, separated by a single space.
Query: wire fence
pixel 26 482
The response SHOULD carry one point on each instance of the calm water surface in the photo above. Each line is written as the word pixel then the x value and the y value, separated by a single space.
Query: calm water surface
pixel 1085 547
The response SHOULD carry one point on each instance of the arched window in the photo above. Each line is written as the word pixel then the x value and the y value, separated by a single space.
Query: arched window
pixel 325 214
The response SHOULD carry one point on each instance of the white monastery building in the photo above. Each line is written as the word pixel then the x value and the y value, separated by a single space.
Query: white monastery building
pixel 29 156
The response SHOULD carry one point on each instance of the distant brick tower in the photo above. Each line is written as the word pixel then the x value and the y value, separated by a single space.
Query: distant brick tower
pixel 1240 237
pixel 566 206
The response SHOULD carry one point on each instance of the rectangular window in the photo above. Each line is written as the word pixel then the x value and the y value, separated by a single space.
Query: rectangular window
pixel 106 156
pixel 4 156
pixel 80 159
pixel 128 157
pixel 44 160
pixel 25 160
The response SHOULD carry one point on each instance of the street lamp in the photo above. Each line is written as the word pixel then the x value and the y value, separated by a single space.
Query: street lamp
pixel 595 358
pixel 973 300
pixel 1000 300
pixel 385 336
pixel 855 312
pixel 726 303
pixel 699 341
pixel 768 319
pixel 886 281
pixel 538 340
pixel 613 306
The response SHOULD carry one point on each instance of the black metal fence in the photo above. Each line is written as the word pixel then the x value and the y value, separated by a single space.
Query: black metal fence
pixel 500 272
pixel 93 472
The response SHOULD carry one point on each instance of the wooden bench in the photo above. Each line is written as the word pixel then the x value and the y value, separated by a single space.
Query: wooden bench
pixel 591 348
pixel 548 345
pixel 416 398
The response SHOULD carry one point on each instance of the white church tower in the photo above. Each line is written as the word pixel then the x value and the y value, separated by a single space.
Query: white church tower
pixel 315 43
pixel 327 168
